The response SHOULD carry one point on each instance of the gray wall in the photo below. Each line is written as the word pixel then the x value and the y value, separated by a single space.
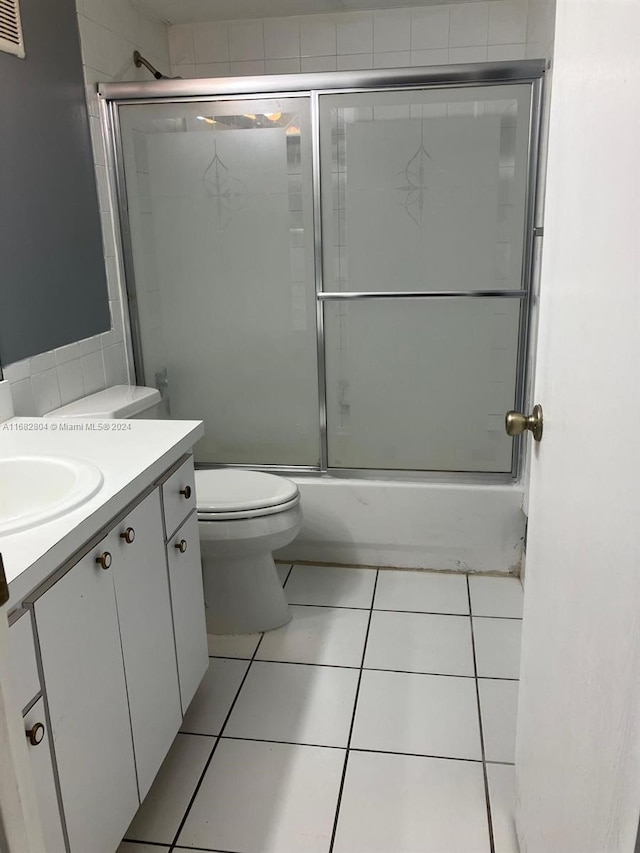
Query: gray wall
pixel 53 286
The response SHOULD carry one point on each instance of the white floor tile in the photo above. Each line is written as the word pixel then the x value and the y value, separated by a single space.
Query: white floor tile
pixel 283 570
pixel 497 643
pixel 318 635
pixel 295 703
pixel 163 808
pixel 428 592
pixel 233 645
pixel 420 642
pixel 406 804
pixel 499 708
pixel 214 697
pixel 266 798
pixel 419 714
pixel 335 587
pixel 502 796
pixel 496 596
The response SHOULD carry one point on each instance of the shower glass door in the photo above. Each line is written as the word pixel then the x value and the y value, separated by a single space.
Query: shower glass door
pixel 424 272
pixel 219 203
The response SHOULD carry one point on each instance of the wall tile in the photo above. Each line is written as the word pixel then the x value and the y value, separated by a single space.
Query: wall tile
pixel 247 68
pixel 22 394
pixel 70 352
pixel 89 345
pixel 282 66
pixel 468 54
pixel 213 69
pixel 317 36
pixel 70 382
pixel 281 38
pixel 469 24
pixel 246 40
pixel 17 371
pixel 507 21
pixel 318 63
pixel 392 30
pixel 355 62
pixel 211 43
pixel 430 57
pixel 92 372
pixel 181 44
pixel 46 391
pixel 430 28
pixel 115 365
pixel 392 59
pixel 40 363
pixel 504 52
pixel 184 71
pixel 355 32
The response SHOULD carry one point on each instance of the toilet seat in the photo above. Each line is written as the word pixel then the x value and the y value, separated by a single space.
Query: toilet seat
pixel 228 494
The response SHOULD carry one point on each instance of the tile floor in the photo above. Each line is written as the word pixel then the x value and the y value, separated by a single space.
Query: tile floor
pixel 381 719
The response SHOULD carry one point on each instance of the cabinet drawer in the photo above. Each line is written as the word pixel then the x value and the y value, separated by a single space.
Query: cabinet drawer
pixel 42 767
pixel 24 667
pixel 178 496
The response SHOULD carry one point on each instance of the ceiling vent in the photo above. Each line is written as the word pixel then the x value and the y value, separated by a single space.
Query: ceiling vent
pixel 10 28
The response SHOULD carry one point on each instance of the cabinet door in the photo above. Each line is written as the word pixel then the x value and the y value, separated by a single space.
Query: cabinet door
pixel 77 626
pixel 187 599
pixel 144 612
pixel 41 764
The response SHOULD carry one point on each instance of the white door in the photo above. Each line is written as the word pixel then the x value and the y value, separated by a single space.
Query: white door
pixel 578 743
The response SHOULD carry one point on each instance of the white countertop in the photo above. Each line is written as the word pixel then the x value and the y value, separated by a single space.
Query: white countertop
pixel 131 455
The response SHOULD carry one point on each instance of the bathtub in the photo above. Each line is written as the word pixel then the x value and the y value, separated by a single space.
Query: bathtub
pixel 443 526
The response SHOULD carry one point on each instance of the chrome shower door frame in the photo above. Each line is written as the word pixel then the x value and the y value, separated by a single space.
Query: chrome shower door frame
pixel 314 86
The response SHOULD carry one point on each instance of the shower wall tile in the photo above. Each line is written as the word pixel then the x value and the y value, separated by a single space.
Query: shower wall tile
pixel 109 33
pixel 497 30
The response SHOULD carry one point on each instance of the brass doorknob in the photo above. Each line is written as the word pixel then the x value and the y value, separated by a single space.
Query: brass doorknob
pixel 104 560
pixel 181 546
pixel 516 423
pixel 186 492
pixel 35 735
pixel 129 535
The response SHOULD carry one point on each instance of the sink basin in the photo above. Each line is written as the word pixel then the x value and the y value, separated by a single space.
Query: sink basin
pixel 35 489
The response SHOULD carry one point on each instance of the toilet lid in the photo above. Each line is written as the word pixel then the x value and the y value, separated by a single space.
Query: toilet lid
pixel 236 490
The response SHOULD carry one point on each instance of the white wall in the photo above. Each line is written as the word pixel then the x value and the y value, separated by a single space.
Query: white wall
pixel 432 35
pixel 109 33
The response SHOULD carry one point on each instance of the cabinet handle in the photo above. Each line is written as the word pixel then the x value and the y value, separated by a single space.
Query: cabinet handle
pixel 129 535
pixel 35 735
pixel 186 492
pixel 181 546
pixel 104 560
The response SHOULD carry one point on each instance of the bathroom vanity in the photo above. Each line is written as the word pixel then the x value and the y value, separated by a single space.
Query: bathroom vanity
pixel 107 629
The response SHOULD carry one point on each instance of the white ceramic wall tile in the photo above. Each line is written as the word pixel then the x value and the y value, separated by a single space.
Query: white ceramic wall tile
pixel 295 703
pixel 469 24
pixel 505 52
pixel 438 714
pixel 420 642
pixel 211 43
pixel 430 27
pixel 355 62
pixel 318 63
pixel 392 30
pixel 502 796
pixel 213 69
pixel 355 32
pixel 499 709
pixel 115 365
pixel 318 635
pixel 281 38
pixel 70 381
pixel 507 21
pixel 89 345
pixel 282 66
pixel 317 36
pixel 22 395
pixel 408 803
pixel 496 597
pixel 46 391
pixel 92 372
pixel 331 586
pixel 163 808
pixel 246 40
pixel 245 68
pixel 17 371
pixel 391 59
pixel 210 706
pixel 467 54
pixel 233 645
pixel 497 644
pixel 267 797
pixel 40 363
pixel 430 57
pixel 185 70
pixel 428 592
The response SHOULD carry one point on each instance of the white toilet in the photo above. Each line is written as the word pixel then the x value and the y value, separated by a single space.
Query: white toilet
pixel 243 516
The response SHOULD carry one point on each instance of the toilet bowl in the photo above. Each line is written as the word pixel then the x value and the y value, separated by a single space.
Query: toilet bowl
pixel 243 516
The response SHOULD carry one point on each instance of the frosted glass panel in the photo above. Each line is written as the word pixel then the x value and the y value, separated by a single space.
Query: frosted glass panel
pixel 425 190
pixel 421 384
pixel 220 208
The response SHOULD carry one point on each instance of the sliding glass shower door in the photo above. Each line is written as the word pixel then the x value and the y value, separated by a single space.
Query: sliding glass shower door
pixel 335 279
pixel 221 222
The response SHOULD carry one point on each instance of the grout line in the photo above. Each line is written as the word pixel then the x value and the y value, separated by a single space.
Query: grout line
pixel 287 742
pixel 284 582
pixel 353 719
pixel 416 754
pixel 215 746
pixel 484 761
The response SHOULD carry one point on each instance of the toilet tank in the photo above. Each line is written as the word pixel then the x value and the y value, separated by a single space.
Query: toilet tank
pixel 119 401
